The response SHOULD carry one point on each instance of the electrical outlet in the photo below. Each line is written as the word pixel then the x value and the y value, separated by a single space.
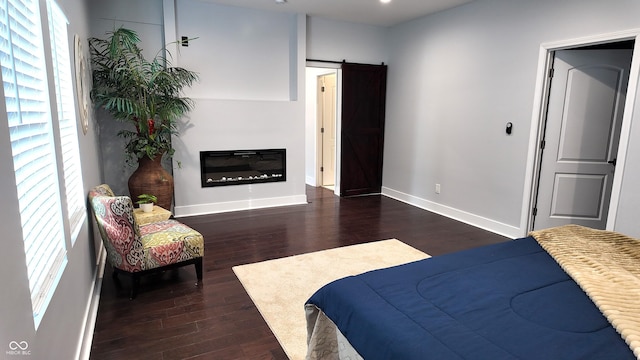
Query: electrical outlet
pixel 437 188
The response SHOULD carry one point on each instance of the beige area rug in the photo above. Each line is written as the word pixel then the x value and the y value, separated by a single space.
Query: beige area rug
pixel 280 287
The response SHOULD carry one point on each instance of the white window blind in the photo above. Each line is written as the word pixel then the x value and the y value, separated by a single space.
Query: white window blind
pixel 66 118
pixel 29 117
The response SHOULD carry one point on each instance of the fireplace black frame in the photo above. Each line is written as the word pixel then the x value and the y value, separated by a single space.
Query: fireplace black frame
pixel 240 167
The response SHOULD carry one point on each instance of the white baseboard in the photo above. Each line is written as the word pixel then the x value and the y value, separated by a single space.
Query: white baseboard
pixel 213 208
pixel 463 216
pixel 91 313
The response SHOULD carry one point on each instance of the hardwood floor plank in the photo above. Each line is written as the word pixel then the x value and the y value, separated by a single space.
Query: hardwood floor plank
pixel 173 319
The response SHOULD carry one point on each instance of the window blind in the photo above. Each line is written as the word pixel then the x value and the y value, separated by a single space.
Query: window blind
pixel 29 118
pixel 66 118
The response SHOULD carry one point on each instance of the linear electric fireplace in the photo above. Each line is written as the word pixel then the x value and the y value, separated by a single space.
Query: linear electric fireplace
pixel 220 168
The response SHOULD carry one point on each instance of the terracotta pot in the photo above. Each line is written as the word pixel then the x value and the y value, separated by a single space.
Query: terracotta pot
pixel 151 178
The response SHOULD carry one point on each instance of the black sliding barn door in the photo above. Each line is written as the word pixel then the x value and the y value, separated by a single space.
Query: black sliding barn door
pixel 364 90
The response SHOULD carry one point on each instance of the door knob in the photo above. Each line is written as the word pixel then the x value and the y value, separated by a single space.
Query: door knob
pixel 612 162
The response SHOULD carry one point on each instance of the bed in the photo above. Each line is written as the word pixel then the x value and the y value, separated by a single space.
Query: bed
pixel 563 293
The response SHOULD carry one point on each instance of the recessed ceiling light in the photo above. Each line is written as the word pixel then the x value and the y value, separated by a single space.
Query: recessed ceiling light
pixel 385 1
pixel 281 1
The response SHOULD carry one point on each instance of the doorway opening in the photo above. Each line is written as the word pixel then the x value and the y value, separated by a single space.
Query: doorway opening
pixel 327 96
pixel 565 187
pixel 323 126
pixel 359 130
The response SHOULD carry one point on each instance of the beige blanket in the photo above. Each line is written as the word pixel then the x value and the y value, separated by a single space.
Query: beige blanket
pixel 606 265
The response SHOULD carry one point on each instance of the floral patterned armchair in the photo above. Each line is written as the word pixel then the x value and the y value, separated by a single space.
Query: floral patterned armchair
pixel 137 250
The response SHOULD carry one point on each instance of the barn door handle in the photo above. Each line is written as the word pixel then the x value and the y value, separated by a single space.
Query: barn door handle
pixel 612 162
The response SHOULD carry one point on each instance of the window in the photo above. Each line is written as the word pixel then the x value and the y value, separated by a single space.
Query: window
pixel 33 142
pixel 66 118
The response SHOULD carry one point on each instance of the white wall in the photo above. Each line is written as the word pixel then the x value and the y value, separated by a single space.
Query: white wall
pixel 240 54
pixel 456 78
pixel 60 334
pixel 251 96
pixel 146 18
pixel 338 40
pixel 332 40
pixel 627 214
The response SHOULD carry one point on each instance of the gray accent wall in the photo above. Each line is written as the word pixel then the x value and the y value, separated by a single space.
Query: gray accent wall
pixel 456 78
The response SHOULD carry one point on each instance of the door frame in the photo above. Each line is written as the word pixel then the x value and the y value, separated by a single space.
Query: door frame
pixel 541 94
pixel 319 140
pixel 330 67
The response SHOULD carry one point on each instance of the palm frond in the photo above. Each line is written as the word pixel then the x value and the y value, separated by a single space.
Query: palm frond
pixel 140 91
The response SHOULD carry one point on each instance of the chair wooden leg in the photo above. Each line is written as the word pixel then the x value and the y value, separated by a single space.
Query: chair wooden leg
pixel 135 280
pixel 116 279
pixel 198 265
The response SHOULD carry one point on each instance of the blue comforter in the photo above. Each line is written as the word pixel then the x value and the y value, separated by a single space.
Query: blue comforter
pixel 504 301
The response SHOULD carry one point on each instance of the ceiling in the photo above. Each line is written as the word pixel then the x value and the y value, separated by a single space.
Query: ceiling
pixel 371 12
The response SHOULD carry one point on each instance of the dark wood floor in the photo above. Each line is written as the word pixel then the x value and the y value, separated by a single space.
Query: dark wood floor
pixel 173 319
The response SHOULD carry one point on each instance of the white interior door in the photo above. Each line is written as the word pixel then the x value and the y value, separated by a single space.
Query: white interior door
pixel 585 108
pixel 327 117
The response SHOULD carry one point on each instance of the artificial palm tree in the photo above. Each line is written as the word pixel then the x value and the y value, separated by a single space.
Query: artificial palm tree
pixel 146 94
